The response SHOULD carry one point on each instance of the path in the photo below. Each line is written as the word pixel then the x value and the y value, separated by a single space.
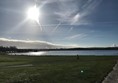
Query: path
pixel 112 76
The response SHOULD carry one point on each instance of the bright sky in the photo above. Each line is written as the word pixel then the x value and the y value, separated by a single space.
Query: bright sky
pixel 65 22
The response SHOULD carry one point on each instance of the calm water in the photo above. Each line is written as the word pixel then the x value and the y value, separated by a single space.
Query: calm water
pixel 86 52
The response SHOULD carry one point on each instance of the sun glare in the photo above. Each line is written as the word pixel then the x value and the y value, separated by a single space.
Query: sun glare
pixel 33 13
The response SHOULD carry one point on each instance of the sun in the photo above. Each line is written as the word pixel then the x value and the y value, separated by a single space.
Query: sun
pixel 33 13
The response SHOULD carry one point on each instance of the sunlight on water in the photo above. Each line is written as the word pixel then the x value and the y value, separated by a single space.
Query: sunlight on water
pixel 69 53
pixel 29 53
pixel 36 53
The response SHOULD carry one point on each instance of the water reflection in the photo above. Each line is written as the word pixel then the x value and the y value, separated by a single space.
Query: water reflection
pixel 61 53
pixel 29 53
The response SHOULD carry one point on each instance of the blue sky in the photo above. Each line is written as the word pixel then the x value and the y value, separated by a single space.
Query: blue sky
pixel 83 23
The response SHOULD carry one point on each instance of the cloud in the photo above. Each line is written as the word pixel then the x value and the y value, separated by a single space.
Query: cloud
pixel 67 11
pixel 70 29
pixel 30 44
pixel 78 36
pixel 73 12
pixel 56 27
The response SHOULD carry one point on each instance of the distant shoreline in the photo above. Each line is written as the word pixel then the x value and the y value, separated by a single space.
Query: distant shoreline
pixel 68 49
pixel 15 49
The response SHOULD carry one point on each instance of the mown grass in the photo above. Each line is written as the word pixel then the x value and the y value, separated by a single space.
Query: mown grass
pixel 55 69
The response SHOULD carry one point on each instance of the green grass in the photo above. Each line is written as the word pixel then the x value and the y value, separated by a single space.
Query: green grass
pixel 55 69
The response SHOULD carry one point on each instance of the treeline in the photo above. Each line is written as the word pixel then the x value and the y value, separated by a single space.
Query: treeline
pixel 12 49
pixel 67 49
pixel 8 49
pixel 94 48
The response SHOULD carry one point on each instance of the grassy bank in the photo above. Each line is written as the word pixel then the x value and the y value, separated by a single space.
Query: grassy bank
pixel 55 69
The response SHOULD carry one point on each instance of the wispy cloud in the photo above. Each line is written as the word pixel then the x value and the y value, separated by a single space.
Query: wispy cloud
pixel 26 43
pixel 78 36
pixel 70 29
pixel 90 6
pixel 30 44
pixel 70 11
pixel 56 27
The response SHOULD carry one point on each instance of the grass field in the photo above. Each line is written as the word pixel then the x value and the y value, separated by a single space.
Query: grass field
pixel 55 69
